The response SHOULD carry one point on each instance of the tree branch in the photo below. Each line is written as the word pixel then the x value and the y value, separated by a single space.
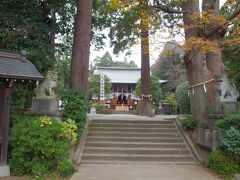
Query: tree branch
pixel 229 18
pixel 167 9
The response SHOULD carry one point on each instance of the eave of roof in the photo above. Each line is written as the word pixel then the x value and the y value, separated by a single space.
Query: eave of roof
pixel 14 65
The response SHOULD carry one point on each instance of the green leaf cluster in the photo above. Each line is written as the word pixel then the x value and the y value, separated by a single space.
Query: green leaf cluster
pixel 231 142
pixel 183 100
pixel 223 164
pixel 188 122
pixel 94 84
pixel 230 120
pixel 38 147
pixel 74 106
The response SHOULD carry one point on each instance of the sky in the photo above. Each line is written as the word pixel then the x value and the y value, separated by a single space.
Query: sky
pixel 157 42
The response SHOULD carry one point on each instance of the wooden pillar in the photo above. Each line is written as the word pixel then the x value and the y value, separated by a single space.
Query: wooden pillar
pixel 4 123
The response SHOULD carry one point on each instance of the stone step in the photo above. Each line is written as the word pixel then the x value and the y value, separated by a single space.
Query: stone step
pixel 134 134
pixel 136 151
pixel 137 162
pixel 130 139
pixel 131 125
pixel 137 158
pixel 134 145
pixel 142 130
pixel 132 121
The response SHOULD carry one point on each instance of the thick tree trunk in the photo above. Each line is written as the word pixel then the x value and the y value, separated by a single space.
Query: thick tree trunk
pixel 202 67
pixel 197 71
pixel 145 102
pixel 81 46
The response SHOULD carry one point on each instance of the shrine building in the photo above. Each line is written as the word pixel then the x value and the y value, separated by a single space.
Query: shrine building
pixel 124 80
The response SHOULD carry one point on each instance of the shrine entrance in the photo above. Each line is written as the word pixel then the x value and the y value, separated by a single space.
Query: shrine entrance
pixel 122 99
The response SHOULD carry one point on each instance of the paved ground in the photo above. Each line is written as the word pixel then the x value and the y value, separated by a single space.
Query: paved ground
pixel 142 172
pixel 129 117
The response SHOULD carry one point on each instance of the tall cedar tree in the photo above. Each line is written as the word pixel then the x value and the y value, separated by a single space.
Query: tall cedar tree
pixel 81 45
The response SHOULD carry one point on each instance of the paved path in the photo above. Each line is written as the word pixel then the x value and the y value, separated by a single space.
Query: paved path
pixel 142 172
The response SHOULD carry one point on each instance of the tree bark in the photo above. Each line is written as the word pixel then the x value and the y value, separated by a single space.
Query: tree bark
pixel 203 66
pixel 53 34
pixel 81 45
pixel 196 68
pixel 145 102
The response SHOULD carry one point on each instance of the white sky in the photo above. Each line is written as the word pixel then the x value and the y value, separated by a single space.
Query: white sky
pixel 156 45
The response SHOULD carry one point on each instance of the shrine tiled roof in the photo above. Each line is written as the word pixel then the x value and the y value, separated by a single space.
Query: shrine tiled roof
pixel 14 65
pixel 122 75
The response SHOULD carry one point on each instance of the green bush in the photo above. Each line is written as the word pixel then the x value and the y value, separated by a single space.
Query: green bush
pixel 75 106
pixel 101 108
pixel 224 165
pixel 170 98
pixel 183 100
pixel 188 122
pixel 38 146
pixel 231 141
pixel 65 168
pixel 230 120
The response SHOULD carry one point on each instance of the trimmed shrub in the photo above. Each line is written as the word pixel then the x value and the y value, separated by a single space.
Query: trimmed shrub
pixel 38 146
pixel 222 164
pixel 188 122
pixel 231 141
pixel 183 100
pixel 75 106
pixel 230 120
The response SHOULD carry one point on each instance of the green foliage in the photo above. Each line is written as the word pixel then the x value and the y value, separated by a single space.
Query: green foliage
pixel 223 164
pixel 65 168
pixel 183 100
pixel 37 146
pixel 75 106
pixel 101 108
pixel 231 141
pixel 170 98
pixel 188 122
pixel 94 85
pixel 155 89
pixel 107 61
pixel 69 129
pixel 228 121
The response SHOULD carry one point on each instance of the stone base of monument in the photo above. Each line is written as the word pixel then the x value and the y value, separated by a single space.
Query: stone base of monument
pixel 45 106
pixel 223 107
pixel 4 171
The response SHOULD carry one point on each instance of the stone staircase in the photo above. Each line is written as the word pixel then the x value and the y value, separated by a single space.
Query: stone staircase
pixel 131 141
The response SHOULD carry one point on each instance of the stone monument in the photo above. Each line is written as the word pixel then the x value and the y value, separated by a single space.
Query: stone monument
pixel 45 100
pixel 228 94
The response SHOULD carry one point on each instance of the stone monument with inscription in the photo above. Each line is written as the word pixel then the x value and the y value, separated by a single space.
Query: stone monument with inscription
pixel 45 100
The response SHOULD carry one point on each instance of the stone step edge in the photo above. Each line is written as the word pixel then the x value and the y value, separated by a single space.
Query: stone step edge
pixel 146 128
pixel 134 120
pixel 131 124
pixel 134 149
pixel 137 155
pixel 144 138
pixel 137 162
pixel 136 143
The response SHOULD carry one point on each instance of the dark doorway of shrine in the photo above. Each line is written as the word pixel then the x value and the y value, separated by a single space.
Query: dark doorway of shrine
pixel 122 99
